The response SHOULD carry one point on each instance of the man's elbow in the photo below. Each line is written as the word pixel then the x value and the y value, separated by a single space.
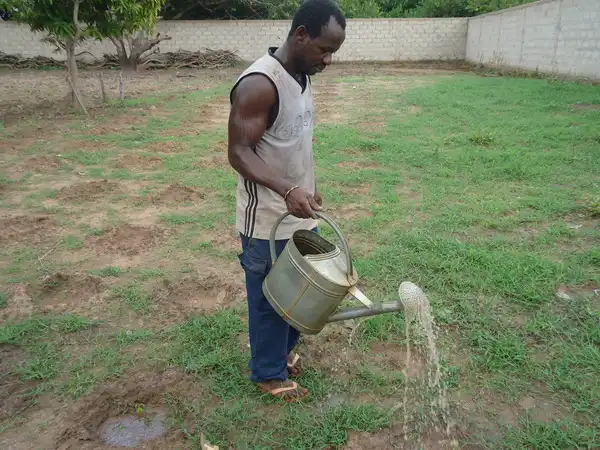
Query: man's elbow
pixel 233 155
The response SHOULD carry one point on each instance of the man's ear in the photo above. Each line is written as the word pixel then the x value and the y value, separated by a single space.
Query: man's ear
pixel 301 35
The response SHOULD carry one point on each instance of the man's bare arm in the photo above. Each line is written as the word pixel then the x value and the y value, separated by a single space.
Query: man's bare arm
pixel 252 101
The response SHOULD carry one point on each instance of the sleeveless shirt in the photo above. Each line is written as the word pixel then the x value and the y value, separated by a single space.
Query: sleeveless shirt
pixel 286 148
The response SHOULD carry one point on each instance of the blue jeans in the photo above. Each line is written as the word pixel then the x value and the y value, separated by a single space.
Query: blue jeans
pixel 271 337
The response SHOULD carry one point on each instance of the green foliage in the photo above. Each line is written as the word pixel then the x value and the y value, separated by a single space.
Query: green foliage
pixel 485 6
pixel 96 19
pixel 440 8
pixel 127 16
pixel 274 9
pixel 361 8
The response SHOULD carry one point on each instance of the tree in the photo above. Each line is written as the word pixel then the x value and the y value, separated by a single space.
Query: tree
pixel 229 9
pixel 283 9
pixel 61 20
pixel 360 8
pixel 70 22
pixel 129 24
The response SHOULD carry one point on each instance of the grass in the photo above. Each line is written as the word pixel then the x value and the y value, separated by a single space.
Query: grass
pixel 108 271
pixel 3 300
pixel 483 191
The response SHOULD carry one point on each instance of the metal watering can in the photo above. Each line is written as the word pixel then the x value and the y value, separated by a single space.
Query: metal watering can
pixel 312 277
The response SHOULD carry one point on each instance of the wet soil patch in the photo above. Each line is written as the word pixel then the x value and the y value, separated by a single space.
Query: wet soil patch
pixel 392 355
pixel 138 401
pixel 131 430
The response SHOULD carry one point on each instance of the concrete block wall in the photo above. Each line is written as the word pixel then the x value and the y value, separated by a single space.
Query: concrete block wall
pixel 367 39
pixel 553 36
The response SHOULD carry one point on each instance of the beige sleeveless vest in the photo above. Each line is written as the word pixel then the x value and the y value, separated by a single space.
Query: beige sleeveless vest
pixel 286 147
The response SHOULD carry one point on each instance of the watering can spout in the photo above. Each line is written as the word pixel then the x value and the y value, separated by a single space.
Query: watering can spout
pixel 376 309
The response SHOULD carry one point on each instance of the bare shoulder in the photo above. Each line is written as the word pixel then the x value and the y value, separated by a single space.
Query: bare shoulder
pixel 254 92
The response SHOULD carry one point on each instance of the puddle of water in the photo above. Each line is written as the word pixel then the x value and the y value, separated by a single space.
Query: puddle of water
pixel 129 431
pixel 417 313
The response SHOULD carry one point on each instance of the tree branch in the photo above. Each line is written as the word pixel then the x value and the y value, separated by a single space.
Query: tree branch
pixel 76 21
pixel 120 45
pixel 151 43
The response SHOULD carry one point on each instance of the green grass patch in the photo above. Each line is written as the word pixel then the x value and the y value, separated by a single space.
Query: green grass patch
pixel 72 242
pixel 37 328
pixel 109 271
pixel 135 297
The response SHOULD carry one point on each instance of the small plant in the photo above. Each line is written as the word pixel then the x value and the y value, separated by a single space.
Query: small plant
pixel 482 139
pixel 592 206
pixel 3 300
pixel 108 271
pixel 134 297
pixel 96 232
pixel 72 242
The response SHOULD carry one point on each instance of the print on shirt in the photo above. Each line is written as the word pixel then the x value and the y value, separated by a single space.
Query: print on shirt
pixel 300 125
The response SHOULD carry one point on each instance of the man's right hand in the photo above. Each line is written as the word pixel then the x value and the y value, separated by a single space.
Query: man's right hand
pixel 302 204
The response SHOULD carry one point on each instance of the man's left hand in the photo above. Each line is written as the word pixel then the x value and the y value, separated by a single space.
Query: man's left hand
pixel 318 198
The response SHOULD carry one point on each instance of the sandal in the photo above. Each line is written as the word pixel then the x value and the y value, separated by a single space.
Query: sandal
pixel 282 391
pixel 293 371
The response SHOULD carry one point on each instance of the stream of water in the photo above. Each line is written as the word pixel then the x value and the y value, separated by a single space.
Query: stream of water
pixel 428 390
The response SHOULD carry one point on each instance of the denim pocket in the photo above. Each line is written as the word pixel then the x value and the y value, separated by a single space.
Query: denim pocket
pixel 254 258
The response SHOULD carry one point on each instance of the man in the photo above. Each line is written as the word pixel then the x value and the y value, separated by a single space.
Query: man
pixel 270 146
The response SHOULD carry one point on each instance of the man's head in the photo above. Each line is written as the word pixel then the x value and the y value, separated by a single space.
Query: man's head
pixel 318 31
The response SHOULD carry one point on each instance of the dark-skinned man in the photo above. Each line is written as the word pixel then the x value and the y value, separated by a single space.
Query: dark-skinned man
pixel 270 146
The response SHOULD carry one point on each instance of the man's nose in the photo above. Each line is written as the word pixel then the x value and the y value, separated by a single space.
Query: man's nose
pixel 327 59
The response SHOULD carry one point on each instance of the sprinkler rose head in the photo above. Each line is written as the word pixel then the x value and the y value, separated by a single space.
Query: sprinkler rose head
pixel 411 295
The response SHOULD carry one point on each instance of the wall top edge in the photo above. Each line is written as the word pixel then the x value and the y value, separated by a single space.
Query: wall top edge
pixel 514 8
pixel 285 21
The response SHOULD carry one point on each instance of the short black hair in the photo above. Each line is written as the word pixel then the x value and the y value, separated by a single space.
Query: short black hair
pixel 315 14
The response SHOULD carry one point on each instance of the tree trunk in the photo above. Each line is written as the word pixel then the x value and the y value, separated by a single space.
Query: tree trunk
pixel 128 63
pixel 72 73
pixel 73 77
pixel 131 48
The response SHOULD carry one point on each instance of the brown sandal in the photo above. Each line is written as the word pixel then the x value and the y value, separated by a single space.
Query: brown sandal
pixel 283 390
pixel 293 371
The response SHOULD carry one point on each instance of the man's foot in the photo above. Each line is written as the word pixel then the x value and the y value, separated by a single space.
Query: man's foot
pixel 288 391
pixel 292 365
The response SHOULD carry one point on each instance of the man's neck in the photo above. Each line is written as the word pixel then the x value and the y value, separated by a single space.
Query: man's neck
pixel 285 56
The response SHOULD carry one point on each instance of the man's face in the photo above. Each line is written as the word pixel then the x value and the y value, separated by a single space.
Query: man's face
pixel 317 53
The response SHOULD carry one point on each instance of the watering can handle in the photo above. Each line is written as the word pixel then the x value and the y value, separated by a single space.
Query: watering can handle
pixel 330 222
